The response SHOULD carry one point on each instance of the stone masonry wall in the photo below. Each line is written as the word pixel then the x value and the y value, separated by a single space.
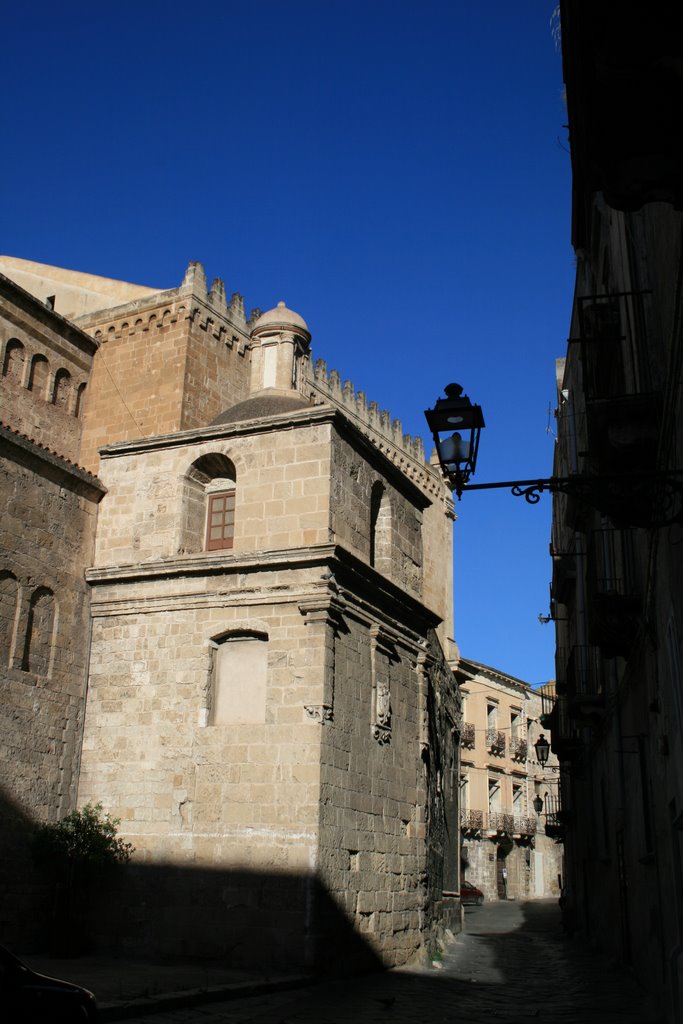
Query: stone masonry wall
pixel 355 478
pixel 46 539
pixel 406 454
pixel 163 366
pixel 282 493
pixel 227 813
pixel 44 370
pixel 138 377
pixel 372 828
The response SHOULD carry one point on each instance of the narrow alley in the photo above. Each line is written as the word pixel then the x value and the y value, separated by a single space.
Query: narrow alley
pixel 512 965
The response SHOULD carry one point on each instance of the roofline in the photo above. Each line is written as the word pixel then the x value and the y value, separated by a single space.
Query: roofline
pixel 13 292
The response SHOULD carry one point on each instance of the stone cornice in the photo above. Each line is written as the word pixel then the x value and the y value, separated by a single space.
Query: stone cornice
pixel 349 587
pixel 212 564
pixel 161 309
pixel 312 415
pixel 473 669
pixel 200 435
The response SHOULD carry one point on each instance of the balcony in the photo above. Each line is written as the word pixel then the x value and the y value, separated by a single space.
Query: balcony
pixel 467 736
pixel 524 826
pixel 602 336
pixel 563 587
pixel 495 742
pixel 585 676
pixel 614 600
pixel 501 822
pixel 555 819
pixel 622 434
pixel 471 821
pixel 519 749
pixel 565 742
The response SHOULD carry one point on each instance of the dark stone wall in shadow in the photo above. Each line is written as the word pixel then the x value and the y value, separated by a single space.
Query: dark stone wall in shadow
pixel 244 918
pixel 25 897
pixel 239 917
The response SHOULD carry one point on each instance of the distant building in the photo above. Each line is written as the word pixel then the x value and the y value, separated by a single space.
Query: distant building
pixel 506 848
pixel 617 725
pixel 226 598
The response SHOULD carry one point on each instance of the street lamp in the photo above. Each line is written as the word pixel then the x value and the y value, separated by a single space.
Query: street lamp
pixel 642 499
pixel 542 748
pixel 455 416
pixel 538 803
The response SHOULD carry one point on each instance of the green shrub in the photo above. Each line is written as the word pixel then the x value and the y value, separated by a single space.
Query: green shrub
pixel 83 838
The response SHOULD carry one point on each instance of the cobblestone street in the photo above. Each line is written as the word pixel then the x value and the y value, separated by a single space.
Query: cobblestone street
pixel 512 965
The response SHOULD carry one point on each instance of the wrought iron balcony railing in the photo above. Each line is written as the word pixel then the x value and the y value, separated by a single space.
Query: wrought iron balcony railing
pixel 614 592
pixel 467 736
pixel 495 742
pixel 525 826
pixel 519 749
pixel 471 821
pixel 501 821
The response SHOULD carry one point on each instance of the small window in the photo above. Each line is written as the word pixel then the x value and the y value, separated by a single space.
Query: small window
pixel 220 527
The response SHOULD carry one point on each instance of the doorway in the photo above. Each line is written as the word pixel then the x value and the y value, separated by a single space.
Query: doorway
pixel 501 873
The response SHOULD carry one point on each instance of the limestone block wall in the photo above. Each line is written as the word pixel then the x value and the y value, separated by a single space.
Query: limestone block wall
pixel 281 484
pixel 46 540
pixel 138 375
pixel 223 814
pixel 47 531
pixel 372 828
pixel 385 434
pixel 218 364
pixel 437 573
pixel 45 365
pixel 164 364
pixel 374 517
pixel 386 843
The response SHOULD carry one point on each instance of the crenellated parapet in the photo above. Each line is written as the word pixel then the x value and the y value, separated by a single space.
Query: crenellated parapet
pixel 206 308
pixel 377 425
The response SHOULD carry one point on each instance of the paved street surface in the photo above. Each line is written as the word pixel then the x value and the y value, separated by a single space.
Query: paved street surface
pixel 512 965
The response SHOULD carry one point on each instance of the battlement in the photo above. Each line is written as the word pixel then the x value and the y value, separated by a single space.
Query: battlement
pixel 385 433
pixel 194 283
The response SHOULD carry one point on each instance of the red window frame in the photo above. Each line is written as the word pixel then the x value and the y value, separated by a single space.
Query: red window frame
pixel 220 520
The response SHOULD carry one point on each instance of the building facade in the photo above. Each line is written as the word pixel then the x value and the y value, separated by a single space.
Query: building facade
pixel 262 611
pixel 617 724
pixel 507 849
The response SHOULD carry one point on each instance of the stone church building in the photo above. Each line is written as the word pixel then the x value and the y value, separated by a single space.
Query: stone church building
pixel 225 599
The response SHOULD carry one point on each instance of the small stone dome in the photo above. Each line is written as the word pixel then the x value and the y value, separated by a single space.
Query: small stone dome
pixel 259 406
pixel 282 319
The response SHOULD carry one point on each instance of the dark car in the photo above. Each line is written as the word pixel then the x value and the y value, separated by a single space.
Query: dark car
pixel 470 894
pixel 27 997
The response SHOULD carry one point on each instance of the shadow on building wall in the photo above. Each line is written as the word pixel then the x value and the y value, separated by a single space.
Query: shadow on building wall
pixel 25 897
pixel 239 917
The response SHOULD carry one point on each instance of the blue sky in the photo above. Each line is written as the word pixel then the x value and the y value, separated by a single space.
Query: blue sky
pixel 397 172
